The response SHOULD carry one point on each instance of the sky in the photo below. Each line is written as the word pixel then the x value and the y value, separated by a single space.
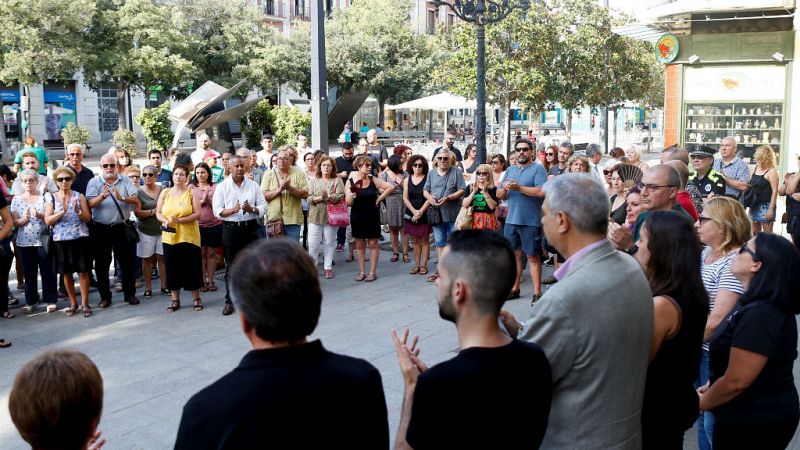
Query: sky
pixel 633 7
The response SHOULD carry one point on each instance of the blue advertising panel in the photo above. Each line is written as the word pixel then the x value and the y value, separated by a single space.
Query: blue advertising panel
pixel 59 110
pixel 9 96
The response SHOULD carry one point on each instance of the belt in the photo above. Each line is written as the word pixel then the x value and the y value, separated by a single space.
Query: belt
pixel 244 223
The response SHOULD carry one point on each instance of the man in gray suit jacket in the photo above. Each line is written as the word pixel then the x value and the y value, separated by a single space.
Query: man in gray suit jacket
pixel 594 325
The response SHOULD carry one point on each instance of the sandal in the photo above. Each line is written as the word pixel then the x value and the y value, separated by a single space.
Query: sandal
pixel 198 305
pixel 414 270
pixel 174 306
pixel 87 311
pixel 349 258
pixel 166 291
pixel 423 270
pixel 406 259
pixel 7 315
pixel 371 277
pixel 71 310
pixel 360 276
pixel 148 293
pixel 395 257
pixel 212 287
pixel 433 277
pixel 4 343
pixel 204 288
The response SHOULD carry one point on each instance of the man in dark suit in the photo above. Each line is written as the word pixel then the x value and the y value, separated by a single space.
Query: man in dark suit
pixel 286 392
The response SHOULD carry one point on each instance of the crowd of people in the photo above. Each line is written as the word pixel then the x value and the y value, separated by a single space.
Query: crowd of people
pixel 671 304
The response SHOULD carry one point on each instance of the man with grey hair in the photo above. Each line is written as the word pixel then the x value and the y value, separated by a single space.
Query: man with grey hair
pixel 594 154
pixel 112 197
pixel 82 173
pixel 732 169
pixel 250 170
pixel 595 332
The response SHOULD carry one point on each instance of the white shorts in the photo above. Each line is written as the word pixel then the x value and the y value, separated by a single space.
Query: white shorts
pixel 148 245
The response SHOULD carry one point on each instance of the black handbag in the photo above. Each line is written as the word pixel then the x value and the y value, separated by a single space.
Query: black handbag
pixel 45 236
pixel 131 235
pixel 434 213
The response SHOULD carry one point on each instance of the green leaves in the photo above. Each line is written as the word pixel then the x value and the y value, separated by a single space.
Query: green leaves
pixel 286 122
pixel 156 126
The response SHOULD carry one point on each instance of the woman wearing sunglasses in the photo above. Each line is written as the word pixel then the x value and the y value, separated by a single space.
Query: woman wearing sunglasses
pixel 723 228
pixel 481 195
pixel 751 390
pixel 150 248
pixel 416 221
pixel 68 213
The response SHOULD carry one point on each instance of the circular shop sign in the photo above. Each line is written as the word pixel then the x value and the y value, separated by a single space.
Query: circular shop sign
pixel 667 48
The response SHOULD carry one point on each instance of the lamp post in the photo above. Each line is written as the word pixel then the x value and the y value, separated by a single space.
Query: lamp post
pixel 482 12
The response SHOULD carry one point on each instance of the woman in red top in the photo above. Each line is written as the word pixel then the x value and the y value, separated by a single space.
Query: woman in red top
pixel 210 226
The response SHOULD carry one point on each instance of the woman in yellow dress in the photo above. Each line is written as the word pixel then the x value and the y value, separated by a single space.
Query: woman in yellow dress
pixel 178 211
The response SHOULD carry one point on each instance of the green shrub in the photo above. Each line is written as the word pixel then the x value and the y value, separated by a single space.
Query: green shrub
pixel 126 140
pixel 287 122
pixel 156 126
pixel 254 122
pixel 75 134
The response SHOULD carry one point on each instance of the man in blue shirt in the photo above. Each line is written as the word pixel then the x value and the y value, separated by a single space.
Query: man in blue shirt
pixel 523 228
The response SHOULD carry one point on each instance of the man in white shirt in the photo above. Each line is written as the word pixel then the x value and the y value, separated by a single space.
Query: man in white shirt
pixel 203 145
pixel 264 156
pixel 43 183
pixel 238 202
pixel 594 155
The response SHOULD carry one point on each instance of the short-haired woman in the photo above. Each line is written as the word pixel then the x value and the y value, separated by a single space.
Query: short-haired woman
pixel 416 221
pixel 28 213
pixel 324 189
pixel 178 211
pixel 203 188
pixel 669 254
pixel 68 213
pixel 481 195
pixel 634 155
pixel 395 209
pixel 723 227
pixel 751 390
pixel 764 187
pixel 150 247
pixel 364 193
pixel 578 164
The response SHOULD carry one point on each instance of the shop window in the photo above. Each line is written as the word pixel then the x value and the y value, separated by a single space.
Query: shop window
pixel 59 107
pixel 9 105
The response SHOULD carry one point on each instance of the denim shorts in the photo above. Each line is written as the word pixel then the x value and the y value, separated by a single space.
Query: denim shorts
pixel 758 213
pixel 528 238
pixel 442 232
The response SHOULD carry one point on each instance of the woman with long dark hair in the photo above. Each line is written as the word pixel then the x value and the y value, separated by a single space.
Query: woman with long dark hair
pixel 669 252
pixel 751 389
pixel 203 188
pixel 395 209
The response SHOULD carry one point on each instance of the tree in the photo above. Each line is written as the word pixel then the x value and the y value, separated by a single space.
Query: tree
pixel 138 44
pixel 518 48
pixel 226 36
pixel 284 61
pixel 156 126
pixel 287 122
pixel 42 40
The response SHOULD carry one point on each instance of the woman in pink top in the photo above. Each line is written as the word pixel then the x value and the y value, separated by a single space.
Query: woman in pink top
pixel 210 226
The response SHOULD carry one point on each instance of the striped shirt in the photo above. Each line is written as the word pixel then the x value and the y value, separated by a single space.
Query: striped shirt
pixel 718 276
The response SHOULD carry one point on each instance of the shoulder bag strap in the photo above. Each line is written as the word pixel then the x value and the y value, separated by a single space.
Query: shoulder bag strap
pixel 121 215
pixel 280 196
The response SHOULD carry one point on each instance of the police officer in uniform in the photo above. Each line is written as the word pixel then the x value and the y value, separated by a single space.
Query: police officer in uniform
pixel 707 180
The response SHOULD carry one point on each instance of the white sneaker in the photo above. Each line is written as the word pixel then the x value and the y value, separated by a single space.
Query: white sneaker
pixel 118 287
pixel 51 308
pixel 27 309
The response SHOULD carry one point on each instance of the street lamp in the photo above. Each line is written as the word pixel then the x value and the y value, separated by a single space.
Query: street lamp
pixel 482 12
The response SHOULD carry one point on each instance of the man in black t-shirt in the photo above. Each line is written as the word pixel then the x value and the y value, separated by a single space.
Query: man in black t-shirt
pixel 449 138
pixel 463 402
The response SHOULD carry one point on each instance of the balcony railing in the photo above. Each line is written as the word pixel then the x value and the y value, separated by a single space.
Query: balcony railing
pixel 272 8
pixel 302 13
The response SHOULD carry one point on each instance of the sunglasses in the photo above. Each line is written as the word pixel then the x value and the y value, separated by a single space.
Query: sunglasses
pixel 482 173
pixel 148 174
pixel 63 179
pixel 746 249
pixel 443 158
pixel 106 166
pixel 606 172
pixel 496 162
pixel 417 165
pixel 74 155
pixel 550 154
pixel 522 149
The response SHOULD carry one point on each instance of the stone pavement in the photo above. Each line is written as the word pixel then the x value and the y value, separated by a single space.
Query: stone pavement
pixel 152 361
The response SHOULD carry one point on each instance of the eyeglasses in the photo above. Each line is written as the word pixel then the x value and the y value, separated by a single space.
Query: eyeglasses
pixel 496 162
pixel 75 155
pixel 29 180
pixel 148 174
pixel 106 166
pixel 746 249
pixel 417 165
pixel 523 149
pixel 703 219
pixel 482 173
pixel 652 187
pixel 63 179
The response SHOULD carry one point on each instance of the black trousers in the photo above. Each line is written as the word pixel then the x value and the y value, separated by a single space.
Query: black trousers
pixel 106 238
pixel 235 237
pixel 747 436
pixel 6 258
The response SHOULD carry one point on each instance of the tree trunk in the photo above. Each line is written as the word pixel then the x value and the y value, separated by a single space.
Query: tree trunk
pixel 506 141
pixel 603 135
pixel 122 108
pixel 569 124
pixel 381 104
pixel 616 110
pixel 649 122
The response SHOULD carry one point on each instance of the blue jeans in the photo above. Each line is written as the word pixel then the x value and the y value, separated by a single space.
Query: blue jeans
pixel 292 231
pixel 705 423
pixel 442 232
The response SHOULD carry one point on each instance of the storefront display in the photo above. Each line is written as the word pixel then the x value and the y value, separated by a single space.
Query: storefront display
pixel 745 103
pixel 59 108
pixel 10 106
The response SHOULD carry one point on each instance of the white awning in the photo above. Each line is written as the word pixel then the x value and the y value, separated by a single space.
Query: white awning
pixel 439 102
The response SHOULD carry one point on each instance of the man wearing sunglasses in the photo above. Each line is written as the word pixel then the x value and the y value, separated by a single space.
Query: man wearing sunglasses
pixel 108 194
pixel 522 187
pixel 707 180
